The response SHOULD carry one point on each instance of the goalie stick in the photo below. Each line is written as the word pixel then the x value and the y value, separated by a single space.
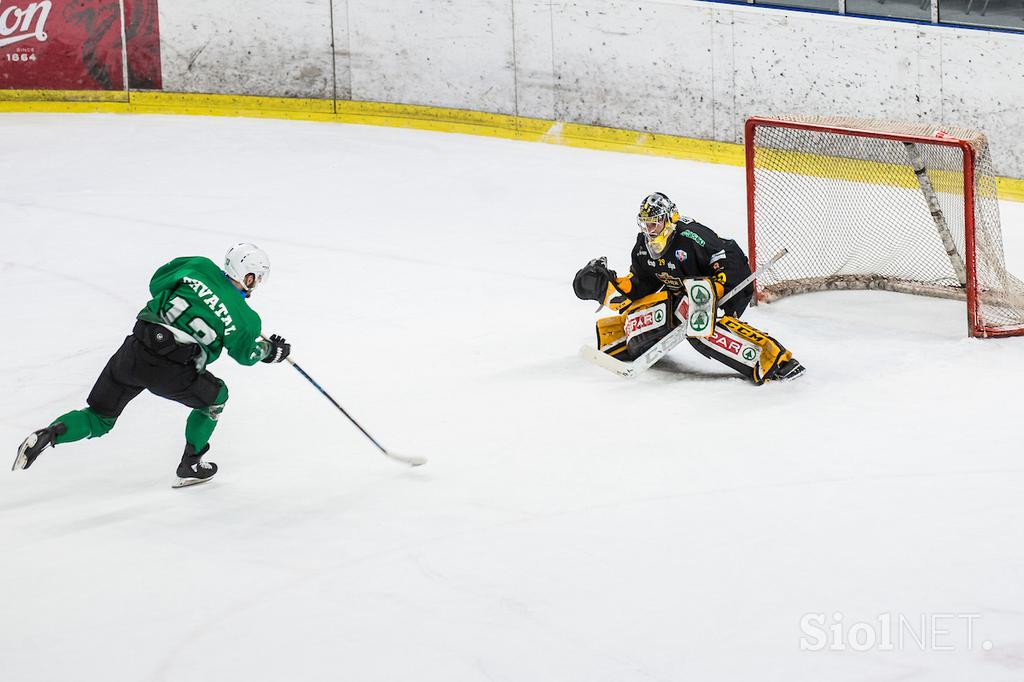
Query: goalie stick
pixel 670 340
pixel 411 460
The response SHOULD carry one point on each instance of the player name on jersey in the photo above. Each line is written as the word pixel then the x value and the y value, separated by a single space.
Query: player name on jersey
pixel 212 300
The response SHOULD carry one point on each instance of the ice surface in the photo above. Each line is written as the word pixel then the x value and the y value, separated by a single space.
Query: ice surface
pixel 570 526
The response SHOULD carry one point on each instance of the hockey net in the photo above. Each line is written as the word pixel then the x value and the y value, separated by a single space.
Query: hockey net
pixel 866 204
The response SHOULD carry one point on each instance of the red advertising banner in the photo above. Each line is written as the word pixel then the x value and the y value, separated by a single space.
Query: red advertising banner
pixel 142 31
pixel 77 44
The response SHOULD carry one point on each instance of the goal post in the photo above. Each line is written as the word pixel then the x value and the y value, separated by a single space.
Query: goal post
pixel 868 204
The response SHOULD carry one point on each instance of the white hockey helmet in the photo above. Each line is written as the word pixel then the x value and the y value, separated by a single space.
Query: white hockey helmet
pixel 245 259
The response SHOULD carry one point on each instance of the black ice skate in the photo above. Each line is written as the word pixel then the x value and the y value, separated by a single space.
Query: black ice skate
pixel 193 469
pixel 34 445
pixel 788 370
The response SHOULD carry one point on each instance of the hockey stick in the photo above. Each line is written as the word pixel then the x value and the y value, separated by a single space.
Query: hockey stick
pixel 670 340
pixel 411 460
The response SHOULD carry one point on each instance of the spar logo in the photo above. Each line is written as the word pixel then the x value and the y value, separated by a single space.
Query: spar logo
pixel 700 294
pixel 18 24
pixel 646 320
pixel 699 321
pixel 724 342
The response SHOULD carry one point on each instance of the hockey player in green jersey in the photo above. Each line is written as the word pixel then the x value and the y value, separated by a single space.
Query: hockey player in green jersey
pixel 197 311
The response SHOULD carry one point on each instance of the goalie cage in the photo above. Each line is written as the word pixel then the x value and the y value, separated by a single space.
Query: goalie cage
pixel 866 204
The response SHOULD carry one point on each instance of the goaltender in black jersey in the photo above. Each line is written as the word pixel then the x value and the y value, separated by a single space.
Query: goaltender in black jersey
pixel 673 255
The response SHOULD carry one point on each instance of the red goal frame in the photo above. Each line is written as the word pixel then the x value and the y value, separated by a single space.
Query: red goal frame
pixel 942 139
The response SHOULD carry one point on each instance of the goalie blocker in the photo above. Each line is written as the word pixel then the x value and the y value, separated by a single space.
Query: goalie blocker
pixel 675 257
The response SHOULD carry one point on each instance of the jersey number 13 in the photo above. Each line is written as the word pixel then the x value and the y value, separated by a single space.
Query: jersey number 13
pixel 203 333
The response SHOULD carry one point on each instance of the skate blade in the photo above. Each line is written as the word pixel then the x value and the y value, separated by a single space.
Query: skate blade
pixel 795 374
pixel 21 460
pixel 186 482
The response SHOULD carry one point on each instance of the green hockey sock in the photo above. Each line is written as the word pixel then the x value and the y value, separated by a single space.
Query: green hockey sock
pixel 83 424
pixel 201 423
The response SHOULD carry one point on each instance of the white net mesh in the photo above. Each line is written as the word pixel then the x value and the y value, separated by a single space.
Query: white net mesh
pixel 854 215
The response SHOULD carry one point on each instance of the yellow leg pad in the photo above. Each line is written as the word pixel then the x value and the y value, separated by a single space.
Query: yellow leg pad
pixel 611 334
pixel 611 331
pixel 772 352
pixel 646 302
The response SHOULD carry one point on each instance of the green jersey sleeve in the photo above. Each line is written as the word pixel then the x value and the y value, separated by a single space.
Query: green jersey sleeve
pixel 246 347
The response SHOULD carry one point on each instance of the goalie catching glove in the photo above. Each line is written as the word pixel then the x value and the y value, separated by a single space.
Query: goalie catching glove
pixel 595 282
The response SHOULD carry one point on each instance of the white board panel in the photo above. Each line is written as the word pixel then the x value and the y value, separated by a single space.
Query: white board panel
pixel 342 56
pixel 637 65
pixel 535 66
pixel 264 48
pixel 723 78
pixel 983 87
pixel 816 65
pixel 445 53
pixel 929 74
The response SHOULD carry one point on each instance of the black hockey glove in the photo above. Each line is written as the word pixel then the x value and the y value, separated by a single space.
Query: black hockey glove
pixel 591 282
pixel 279 349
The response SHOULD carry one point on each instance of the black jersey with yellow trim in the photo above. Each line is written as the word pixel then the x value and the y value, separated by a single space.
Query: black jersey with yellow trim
pixel 694 250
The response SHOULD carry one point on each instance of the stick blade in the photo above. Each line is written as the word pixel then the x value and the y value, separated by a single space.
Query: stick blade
pixel 605 361
pixel 410 460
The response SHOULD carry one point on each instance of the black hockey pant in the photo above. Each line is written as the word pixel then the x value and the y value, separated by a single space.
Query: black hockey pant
pixel 149 359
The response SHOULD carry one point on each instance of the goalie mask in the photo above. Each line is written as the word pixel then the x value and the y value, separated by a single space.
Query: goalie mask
pixel 657 220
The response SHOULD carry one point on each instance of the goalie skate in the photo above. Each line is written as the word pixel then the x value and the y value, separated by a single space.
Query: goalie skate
pixel 787 371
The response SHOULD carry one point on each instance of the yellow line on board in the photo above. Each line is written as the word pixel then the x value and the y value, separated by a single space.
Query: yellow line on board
pixel 37 96
pixel 231 105
pixel 427 118
pixel 1010 188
